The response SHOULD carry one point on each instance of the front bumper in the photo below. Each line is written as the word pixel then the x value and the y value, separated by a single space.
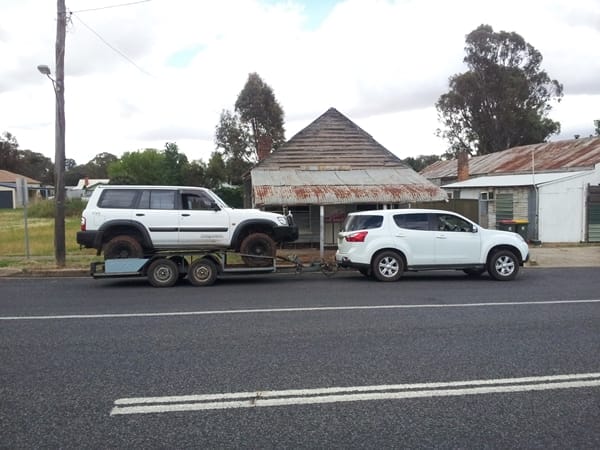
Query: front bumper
pixel 286 234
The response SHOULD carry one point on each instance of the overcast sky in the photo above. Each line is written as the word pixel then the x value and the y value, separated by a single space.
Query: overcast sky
pixel 160 71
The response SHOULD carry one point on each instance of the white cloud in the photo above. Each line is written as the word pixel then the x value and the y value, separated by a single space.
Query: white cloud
pixel 382 63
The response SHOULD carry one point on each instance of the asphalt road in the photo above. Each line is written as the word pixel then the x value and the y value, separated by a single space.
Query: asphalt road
pixel 435 360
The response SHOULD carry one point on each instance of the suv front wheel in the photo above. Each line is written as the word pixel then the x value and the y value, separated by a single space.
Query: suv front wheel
pixel 503 265
pixel 258 250
pixel 387 266
pixel 123 246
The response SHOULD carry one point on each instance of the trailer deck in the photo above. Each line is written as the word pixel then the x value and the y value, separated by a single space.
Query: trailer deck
pixel 201 268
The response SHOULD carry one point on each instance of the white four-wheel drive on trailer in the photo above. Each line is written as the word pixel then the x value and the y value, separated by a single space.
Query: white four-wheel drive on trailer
pixel 138 221
pixel 385 243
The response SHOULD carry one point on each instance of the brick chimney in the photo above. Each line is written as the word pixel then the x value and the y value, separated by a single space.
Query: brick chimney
pixel 264 147
pixel 462 172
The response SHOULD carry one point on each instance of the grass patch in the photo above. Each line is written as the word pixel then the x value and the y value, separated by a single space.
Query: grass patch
pixel 40 231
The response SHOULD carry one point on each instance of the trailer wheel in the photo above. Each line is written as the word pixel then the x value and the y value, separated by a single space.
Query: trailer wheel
pixel 262 246
pixel 162 272
pixel 202 272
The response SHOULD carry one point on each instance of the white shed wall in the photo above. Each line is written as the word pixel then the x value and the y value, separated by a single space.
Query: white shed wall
pixel 562 208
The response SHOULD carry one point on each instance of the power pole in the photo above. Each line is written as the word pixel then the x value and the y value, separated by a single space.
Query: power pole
pixel 59 149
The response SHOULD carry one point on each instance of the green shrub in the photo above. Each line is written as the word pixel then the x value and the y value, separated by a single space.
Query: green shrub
pixel 45 208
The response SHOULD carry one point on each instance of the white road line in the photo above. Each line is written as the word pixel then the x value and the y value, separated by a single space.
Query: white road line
pixel 288 310
pixel 147 405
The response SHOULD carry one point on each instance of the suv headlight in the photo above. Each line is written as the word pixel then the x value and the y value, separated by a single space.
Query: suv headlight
pixel 282 220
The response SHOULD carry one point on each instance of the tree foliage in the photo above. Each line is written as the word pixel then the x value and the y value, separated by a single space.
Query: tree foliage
pixel 502 100
pixel 257 106
pixel 421 161
pixel 233 137
pixel 24 162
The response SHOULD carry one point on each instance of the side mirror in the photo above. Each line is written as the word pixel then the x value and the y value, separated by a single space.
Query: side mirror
pixel 214 206
pixel 474 229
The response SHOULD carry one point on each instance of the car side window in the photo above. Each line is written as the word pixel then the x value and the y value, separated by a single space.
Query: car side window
pixel 158 199
pixel 450 222
pixel 117 198
pixel 412 221
pixel 196 201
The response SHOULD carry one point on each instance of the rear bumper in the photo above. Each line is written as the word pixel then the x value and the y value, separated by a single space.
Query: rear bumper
pixel 88 239
pixel 346 262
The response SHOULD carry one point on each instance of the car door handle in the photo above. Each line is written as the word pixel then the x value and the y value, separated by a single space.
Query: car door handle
pixel 186 215
pixel 140 214
pixel 442 236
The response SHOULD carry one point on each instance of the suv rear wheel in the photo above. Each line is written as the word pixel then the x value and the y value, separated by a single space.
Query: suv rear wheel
pixel 123 246
pixel 387 266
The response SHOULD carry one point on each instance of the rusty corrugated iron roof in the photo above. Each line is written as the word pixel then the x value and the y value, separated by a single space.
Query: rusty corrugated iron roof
pixel 567 155
pixel 375 185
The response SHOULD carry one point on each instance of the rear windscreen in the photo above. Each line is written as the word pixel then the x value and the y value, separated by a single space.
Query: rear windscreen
pixel 362 222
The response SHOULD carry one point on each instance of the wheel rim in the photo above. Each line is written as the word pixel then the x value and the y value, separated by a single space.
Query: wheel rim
pixel 202 273
pixel 505 266
pixel 163 274
pixel 259 249
pixel 388 267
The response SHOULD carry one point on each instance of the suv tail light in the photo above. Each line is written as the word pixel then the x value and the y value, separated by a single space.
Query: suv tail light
pixel 359 236
pixel 83 224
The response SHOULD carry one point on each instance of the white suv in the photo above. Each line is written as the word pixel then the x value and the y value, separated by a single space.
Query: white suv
pixel 385 243
pixel 131 221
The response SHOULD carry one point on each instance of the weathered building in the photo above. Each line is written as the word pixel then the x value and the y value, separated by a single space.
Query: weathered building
pixel 330 168
pixel 8 189
pixel 551 187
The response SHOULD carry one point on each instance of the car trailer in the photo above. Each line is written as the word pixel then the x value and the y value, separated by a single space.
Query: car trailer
pixel 202 268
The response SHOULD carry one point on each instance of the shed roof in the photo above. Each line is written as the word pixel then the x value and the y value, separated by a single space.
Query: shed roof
pixel 10 177
pixel 334 161
pixel 558 156
pixel 524 179
pixel 322 187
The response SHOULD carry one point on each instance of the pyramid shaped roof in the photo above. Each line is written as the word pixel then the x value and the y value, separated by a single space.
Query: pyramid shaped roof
pixel 334 161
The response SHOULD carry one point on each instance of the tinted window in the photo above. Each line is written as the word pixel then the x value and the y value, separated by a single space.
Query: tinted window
pixel 197 201
pixel 362 222
pixel 449 222
pixel 117 198
pixel 412 221
pixel 157 200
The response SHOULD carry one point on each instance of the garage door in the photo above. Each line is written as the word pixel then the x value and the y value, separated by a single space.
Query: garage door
pixel 6 199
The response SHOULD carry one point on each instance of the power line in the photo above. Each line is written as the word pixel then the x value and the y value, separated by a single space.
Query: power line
pixel 116 50
pixel 111 6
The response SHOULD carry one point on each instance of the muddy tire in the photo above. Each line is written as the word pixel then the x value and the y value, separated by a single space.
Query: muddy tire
pixel 123 246
pixel 262 246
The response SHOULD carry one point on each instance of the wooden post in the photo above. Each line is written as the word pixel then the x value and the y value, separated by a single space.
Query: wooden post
pixel 59 149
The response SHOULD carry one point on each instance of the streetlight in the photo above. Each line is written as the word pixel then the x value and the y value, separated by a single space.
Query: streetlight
pixel 59 165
